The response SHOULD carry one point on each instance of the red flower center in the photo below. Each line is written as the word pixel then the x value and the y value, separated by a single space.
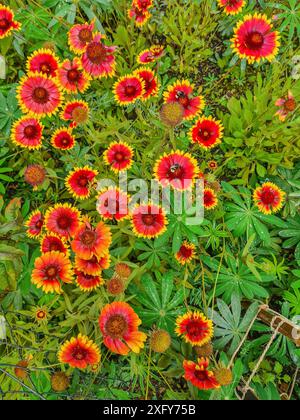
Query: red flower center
pixel 51 272
pixel 4 24
pixel 185 252
pixel 83 181
pixel 73 75
pixel 255 40
pixel 139 13
pixel 63 222
pixel 45 68
pixel 41 314
pixel 55 247
pixel 119 157
pixel 116 326
pixel 204 133
pixel 268 197
pixel 183 99
pixel 65 141
pixel 39 224
pixel 201 375
pixel 130 90
pixel 93 260
pixel 176 171
pixel 148 219
pixel 208 199
pixel 30 131
pixel 195 329
pixel 79 353
pixel 88 237
pixel 290 105
pixel 85 35
pixel 40 95
pixel 96 52
pixel 88 277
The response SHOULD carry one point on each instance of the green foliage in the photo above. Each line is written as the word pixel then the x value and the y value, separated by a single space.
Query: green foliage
pixel 161 303
pixel 254 143
pixel 11 232
pixel 243 258
pixel 231 326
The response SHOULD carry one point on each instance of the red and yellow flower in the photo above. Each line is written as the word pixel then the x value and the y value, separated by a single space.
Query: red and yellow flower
pixel 63 139
pixel 63 220
pixel 199 375
pixel 255 40
pixel 207 132
pixel 7 22
pixel 269 198
pixel 113 204
pixel 89 242
pixel 151 55
pixel 27 132
pixel 99 60
pixel 287 105
pixel 77 112
pixel 34 224
pixel 177 169
pixel 51 270
pixel 119 156
pixel 186 253
pixel 140 16
pixel 195 328
pixel 88 282
pixel 142 4
pixel 119 325
pixel 52 242
pixel 79 352
pixel 151 84
pixel 43 61
pixel 149 221
pixel 93 266
pixel 72 77
pixel 232 7
pixel 128 89
pixel 210 198
pixel 182 92
pixel 39 95
pixel 80 36
pixel 79 182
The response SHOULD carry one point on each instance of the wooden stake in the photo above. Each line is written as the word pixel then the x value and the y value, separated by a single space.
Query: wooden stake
pixel 273 319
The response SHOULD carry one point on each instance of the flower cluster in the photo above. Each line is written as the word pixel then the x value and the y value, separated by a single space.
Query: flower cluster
pixel 142 84
pixel 76 248
pixel 41 92
pixel 197 331
pixel 61 228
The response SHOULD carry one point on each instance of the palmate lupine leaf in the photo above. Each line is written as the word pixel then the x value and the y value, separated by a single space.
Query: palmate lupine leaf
pixel 230 326
pixel 289 16
pixel 160 302
pixel 236 278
